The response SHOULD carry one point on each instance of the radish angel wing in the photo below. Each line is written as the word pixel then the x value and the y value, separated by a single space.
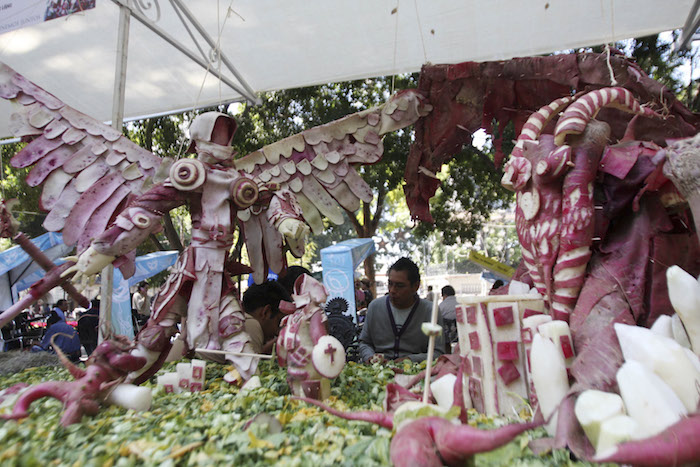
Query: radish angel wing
pixel 318 168
pixel 88 170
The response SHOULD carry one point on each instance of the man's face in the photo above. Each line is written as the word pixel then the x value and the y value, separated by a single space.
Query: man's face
pixel 270 324
pixel 401 291
pixel 63 306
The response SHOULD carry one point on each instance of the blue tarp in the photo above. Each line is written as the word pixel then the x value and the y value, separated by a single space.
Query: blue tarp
pixel 146 266
pixel 339 263
pixel 18 272
pixel 15 256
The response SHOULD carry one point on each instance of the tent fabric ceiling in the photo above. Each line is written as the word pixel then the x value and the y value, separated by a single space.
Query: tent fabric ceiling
pixel 305 42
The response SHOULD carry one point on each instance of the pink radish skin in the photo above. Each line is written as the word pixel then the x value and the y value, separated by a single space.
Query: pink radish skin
pixel 378 418
pixel 677 445
pixel 397 395
pixel 435 441
pixel 317 327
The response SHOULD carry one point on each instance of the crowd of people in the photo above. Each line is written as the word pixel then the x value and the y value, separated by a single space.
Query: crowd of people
pixel 62 335
pixel 391 329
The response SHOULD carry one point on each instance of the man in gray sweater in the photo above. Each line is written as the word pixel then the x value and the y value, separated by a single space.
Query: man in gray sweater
pixel 392 328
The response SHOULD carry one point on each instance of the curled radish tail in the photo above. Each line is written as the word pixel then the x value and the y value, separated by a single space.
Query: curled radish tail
pixel 56 389
pixel 578 114
pixel 382 419
pixel 457 443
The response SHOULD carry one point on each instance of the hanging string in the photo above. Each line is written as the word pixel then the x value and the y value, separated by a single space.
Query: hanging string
pixel 2 172
pixel 420 29
pixel 613 81
pixel 206 72
pixel 219 31
pixel 396 44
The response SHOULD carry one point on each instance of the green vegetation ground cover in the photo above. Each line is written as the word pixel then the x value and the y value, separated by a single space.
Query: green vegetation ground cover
pixel 206 428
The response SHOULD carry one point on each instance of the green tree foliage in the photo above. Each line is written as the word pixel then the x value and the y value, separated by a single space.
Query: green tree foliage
pixel 470 191
pixel 13 185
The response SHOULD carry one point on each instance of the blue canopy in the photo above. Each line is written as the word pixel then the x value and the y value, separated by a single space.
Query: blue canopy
pixel 146 266
pixel 18 272
pixel 339 263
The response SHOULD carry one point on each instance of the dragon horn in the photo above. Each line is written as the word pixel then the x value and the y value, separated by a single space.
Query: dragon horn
pixel 538 121
pixel 578 114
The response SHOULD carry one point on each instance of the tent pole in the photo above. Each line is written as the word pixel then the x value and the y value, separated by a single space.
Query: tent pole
pixel 107 275
pixel 172 41
pixel 213 45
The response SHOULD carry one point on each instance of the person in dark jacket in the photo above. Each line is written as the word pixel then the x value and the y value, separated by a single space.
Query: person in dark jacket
pixel 62 335
pixel 392 328
pixel 87 327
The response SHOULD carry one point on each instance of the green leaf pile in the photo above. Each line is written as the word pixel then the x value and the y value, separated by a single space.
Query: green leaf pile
pixel 207 428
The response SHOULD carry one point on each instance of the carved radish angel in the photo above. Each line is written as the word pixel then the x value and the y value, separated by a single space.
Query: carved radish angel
pixel 107 195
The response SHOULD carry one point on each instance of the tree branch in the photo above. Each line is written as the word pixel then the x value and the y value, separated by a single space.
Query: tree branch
pixel 171 233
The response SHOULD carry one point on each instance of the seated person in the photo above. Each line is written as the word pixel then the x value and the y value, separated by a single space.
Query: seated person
pixel 263 316
pixel 392 327
pixel 61 308
pixel 62 335
pixel 291 275
pixel 87 327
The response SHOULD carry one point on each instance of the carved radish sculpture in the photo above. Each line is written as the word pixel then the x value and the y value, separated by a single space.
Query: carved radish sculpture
pixel 553 178
pixel 311 355
pixel 107 195
pixel 108 366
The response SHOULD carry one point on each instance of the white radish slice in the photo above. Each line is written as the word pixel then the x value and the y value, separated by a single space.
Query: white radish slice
pixel 684 293
pixel 328 357
pixel 614 431
pixel 665 357
pixel 594 407
pixel 131 397
pixel 663 326
pixel 443 390
pixel 548 371
pixel 679 334
pixel 650 401
pixel 252 383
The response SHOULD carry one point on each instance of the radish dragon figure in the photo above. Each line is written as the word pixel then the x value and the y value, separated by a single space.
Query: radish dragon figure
pixel 553 177
pixel 107 195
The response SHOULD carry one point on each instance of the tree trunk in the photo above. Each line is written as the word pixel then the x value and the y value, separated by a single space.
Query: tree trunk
pixel 367 229
pixel 171 233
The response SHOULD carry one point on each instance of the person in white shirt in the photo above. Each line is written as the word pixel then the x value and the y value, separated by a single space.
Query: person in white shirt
pixel 447 309
pixel 141 302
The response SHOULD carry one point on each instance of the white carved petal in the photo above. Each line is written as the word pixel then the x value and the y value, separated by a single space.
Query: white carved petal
pixel 296 185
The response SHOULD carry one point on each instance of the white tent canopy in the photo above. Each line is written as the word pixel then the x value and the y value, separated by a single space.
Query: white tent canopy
pixel 281 45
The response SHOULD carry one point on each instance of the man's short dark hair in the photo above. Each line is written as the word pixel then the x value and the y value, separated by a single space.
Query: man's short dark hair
pixel 405 264
pixel 290 277
pixel 447 291
pixel 52 319
pixel 61 302
pixel 143 284
pixel 267 293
